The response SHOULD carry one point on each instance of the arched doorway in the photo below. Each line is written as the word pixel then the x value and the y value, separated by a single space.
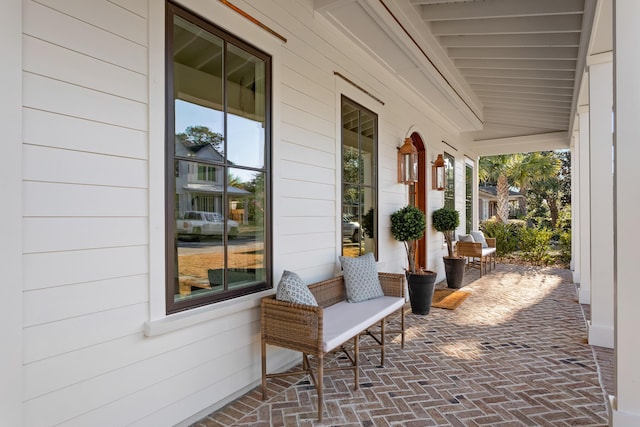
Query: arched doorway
pixel 418 195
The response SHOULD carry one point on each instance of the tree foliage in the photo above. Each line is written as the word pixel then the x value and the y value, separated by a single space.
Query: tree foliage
pixel 200 135
pixel 408 225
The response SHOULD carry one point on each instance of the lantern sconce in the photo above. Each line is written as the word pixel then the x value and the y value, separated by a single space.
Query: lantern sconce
pixel 407 163
pixel 437 171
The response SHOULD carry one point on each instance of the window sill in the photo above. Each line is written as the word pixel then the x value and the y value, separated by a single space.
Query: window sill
pixel 186 319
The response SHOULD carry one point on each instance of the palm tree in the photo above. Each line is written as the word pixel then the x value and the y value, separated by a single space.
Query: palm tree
pixel 535 168
pixel 518 169
pixel 497 169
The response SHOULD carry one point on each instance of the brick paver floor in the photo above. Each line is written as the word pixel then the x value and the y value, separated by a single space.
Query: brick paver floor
pixel 513 354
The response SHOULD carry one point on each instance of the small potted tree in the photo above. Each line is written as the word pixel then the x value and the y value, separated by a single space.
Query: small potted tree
pixel 446 221
pixel 408 226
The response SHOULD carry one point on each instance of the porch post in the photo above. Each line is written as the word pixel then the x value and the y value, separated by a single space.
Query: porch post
pixel 575 211
pixel 584 206
pixel 11 316
pixel 626 402
pixel 601 200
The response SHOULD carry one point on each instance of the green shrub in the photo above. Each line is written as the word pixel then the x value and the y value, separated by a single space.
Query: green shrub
pixel 534 244
pixel 507 234
pixel 565 246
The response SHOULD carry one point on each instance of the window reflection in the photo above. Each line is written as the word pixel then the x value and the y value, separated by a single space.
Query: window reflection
pixel 218 133
pixel 359 189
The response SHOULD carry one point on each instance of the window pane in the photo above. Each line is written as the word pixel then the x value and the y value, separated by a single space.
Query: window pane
pixel 246 194
pixel 368 126
pixel 197 88
pixel 199 231
pixel 450 188
pixel 359 192
pixel 218 133
pixel 469 198
pixel 246 100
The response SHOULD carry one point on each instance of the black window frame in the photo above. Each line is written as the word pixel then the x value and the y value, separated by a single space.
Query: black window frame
pixel 450 181
pixel 374 216
pixel 172 306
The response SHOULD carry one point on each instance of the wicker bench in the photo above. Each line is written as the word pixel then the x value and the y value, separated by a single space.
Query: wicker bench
pixel 316 331
pixel 477 256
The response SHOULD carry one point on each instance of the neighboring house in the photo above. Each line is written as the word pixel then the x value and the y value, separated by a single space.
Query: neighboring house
pixel 200 186
pixel 110 318
pixel 488 202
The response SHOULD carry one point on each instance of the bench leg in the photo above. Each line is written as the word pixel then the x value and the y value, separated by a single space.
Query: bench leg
pixel 356 356
pixel 382 322
pixel 319 386
pixel 264 369
pixel 402 326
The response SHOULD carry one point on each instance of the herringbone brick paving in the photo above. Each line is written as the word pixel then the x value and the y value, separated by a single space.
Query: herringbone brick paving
pixel 514 354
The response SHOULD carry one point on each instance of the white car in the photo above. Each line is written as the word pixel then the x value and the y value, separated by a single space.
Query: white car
pixel 206 224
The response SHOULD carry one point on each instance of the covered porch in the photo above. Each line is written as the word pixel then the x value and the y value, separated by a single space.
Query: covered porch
pixel 515 353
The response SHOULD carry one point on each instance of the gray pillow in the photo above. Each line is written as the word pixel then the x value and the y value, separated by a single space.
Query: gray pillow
pixel 292 289
pixel 361 278
pixel 466 238
pixel 478 236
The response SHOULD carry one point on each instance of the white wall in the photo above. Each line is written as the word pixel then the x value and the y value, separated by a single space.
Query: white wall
pixel 98 349
pixel 10 214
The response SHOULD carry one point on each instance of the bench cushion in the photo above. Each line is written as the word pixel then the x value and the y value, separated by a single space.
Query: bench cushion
pixel 343 321
pixel 488 251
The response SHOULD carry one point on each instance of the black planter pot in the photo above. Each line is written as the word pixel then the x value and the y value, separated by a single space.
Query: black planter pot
pixel 421 288
pixel 454 269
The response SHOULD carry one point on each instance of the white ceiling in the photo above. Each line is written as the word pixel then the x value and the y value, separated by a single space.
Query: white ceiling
pixel 507 69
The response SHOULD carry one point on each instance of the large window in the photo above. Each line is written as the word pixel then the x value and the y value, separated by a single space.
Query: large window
pixel 218 155
pixel 450 178
pixel 468 179
pixel 359 179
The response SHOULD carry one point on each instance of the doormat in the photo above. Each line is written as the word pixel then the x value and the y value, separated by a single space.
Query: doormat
pixel 448 298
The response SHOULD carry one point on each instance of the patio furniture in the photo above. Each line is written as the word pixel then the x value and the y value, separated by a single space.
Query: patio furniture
pixel 477 256
pixel 316 331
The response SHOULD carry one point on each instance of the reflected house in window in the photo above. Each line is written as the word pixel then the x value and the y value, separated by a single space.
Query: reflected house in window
pixel 200 184
pixel 488 202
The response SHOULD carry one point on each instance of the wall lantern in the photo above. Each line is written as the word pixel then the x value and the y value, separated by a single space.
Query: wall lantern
pixel 407 163
pixel 437 171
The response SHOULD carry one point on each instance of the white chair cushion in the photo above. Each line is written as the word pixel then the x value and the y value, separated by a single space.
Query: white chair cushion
pixel 343 321
pixel 487 251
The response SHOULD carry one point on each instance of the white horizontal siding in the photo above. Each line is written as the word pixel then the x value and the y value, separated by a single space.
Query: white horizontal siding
pixel 67 234
pixel 42 93
pixel 52 269
pixel 313 122
pixel 306 171
pixel 75 200
pixel 60 371
pixel 306 155
pixel 296 134
pixel 61 302
pixel 105 16
pixel 139 7
pixel 50 60
pixel 67 335
pixel 53 130
pixel 65 30
pixel 307 190
pixel 76 167
pixel 151 383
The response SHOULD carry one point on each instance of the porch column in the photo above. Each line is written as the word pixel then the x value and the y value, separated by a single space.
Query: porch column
pixel 626 402
pixel 584 207
pixel 601 200
pixel 11 316
pixel 575 212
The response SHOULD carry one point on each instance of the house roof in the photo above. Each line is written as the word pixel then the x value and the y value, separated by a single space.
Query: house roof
pixel 492 191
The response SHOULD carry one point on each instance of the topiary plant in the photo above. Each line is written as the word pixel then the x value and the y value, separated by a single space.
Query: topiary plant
pixel 446 221
pixel 408 225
